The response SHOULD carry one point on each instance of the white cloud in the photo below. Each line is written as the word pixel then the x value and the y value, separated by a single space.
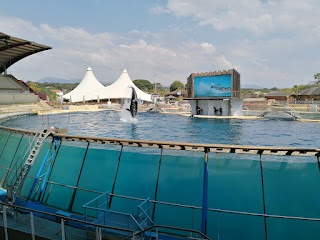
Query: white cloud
pixel 254 16
pixel 159 10
pixel 75 48
pixel 271 43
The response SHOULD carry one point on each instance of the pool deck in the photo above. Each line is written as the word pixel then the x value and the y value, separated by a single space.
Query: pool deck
pixel 221 117
pixel 238 117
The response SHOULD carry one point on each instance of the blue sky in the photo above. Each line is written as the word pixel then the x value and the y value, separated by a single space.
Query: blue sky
pixel 271 43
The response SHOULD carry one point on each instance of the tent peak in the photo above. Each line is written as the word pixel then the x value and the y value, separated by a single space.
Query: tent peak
pixel 89 69
pixel 125 70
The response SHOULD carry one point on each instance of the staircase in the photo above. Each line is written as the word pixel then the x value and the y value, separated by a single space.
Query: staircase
pixel 33 152
pixel 98 212
pixel 293 113
pixel 280 108
pixel 264 113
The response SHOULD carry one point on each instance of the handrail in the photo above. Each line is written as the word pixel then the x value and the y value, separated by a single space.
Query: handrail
pixel 100 225
pixel 143 211
pixel 118 213
pixel 65 217
pixel 171 228
pixel 96 198
pixel 200 147
pixel 104 211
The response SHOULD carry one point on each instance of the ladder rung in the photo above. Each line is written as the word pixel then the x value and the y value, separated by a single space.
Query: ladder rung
pixel 38 141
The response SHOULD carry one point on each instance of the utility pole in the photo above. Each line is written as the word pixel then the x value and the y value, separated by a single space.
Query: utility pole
pixel 155 84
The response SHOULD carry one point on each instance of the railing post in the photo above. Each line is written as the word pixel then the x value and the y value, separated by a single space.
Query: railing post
pixel 32 226
pixel 5 223
pixel 205 193
pixel 157 233
pixel 63 233
pixel 218 224
pixel 98 233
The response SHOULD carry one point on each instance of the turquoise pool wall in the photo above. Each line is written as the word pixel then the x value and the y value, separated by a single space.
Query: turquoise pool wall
pixel 173 180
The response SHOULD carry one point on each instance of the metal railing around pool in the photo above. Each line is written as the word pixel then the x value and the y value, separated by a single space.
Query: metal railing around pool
pixel 59 226
pixel 184 146
pixel 17 218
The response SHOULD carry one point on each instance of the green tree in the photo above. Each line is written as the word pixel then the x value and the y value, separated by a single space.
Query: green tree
pixel 298 88
pixel 317 78
pixel 144 85
pixel 274 89
pixel 176 85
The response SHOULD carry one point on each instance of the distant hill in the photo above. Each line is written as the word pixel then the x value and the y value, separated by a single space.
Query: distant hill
pixel 251 86
pixel 58 80
pixel 63 80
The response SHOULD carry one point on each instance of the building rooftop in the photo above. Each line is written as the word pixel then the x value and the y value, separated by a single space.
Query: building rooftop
pixel 311 91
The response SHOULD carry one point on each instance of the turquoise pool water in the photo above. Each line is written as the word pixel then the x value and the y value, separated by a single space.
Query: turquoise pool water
pixel 174 179
pixel 183 129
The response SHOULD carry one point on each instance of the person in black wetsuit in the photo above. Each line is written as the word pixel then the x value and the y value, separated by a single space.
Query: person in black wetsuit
pixel 215 110
pixel 198 110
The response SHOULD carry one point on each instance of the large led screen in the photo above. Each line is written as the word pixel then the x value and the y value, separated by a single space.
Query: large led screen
pixel 212 86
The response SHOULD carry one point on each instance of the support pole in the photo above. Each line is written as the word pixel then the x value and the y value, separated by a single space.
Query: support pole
pixel 44 186
pixel 115 177
pixel 32 226
pixel 264 202
pixel 157 184
pixel 5 223
pixel 63 230
pixel 8 169
pixel 205 193
pixel 78 180
pixel 39 171
pixel 4 147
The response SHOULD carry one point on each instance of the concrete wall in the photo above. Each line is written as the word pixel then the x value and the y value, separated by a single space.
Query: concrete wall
pixel 13 92
pixel 236 107
pixel 13 98
pixel 208 107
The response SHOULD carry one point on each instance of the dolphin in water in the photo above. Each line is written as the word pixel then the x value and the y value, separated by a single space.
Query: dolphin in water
pixel 133 104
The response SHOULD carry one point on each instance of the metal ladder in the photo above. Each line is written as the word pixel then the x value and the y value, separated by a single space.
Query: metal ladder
pixel 34 151
pixel 264 112
pixel 294 113
pixel 44 170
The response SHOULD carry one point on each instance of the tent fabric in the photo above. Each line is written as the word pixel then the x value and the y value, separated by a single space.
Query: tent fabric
pixel 91 89
pixel 86 90
pixel 121 88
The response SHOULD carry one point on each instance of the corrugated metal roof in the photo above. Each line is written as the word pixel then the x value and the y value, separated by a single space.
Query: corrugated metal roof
pixel 13 49
pixel 311 91
pixel 277 94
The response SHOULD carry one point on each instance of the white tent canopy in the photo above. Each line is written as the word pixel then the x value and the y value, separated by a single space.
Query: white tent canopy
pixel 86 90
pixel 91 89
pixel 122 89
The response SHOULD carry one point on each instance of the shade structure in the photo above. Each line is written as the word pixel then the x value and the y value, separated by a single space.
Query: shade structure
pixel 13 49
pixel 86 90
pixel 91 89
pixel 121 89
